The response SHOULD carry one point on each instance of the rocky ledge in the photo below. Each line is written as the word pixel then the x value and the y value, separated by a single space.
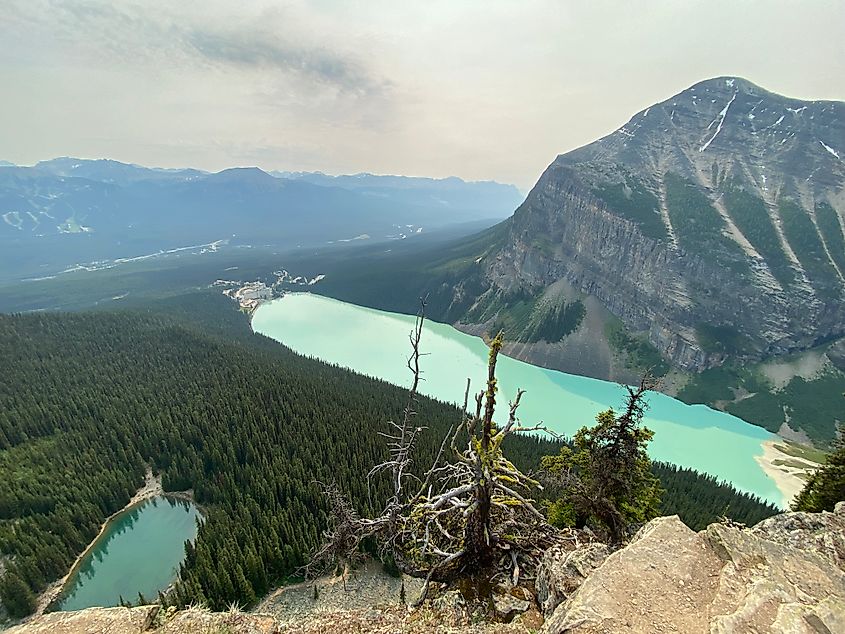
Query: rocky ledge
pixel 786 574
pixel 148 618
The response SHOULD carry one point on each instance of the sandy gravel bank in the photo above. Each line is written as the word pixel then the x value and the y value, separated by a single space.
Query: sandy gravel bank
pixel 786 476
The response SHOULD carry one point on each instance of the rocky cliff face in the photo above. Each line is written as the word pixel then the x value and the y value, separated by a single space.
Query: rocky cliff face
pixel 711 223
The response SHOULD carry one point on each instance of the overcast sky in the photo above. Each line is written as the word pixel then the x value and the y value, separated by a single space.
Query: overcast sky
pixel 479 89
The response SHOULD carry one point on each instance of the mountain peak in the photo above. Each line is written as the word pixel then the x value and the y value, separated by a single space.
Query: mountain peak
pixel 254 175
pixel 73 162
pixel 747 130
pixel 738 189
pixel 728 83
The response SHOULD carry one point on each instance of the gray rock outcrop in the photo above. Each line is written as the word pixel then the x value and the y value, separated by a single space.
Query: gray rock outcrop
pixel 564 570
pixel 784 575
pixel 128 620
pixel 148 618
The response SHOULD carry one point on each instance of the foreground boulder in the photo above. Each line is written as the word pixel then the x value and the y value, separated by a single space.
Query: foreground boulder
pixel 785 575
pixel 563 571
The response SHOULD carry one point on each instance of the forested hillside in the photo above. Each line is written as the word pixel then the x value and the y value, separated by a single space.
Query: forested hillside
pixel 88 399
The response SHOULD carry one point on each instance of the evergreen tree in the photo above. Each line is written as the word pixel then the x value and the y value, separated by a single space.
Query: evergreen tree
pixel 605 478
pixel 826 486
pixel 16 596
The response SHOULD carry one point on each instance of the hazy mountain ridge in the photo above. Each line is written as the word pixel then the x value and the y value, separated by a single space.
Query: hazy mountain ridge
pixel 111 171
pixel 122 210
pixel 711 222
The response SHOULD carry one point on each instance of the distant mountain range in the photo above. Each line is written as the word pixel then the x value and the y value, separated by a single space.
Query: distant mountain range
pixel 66 211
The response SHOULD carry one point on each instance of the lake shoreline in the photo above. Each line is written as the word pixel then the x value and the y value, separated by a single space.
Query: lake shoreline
pixel 152 488
pixel 777 465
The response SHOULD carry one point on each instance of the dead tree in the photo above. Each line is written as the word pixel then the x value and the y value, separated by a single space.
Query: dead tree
pixel 341 542
pixel 470 515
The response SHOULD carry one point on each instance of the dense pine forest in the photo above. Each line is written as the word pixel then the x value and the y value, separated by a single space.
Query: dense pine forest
pixel 88 400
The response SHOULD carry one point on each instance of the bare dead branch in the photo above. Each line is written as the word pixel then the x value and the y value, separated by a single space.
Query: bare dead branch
pixel 472 511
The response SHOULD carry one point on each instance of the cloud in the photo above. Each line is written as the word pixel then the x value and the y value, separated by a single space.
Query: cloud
pixel 161 33
pixel 478 88
pixel 245 48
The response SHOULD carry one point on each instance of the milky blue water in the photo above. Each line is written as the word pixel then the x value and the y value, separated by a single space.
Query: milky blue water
pixel 375 343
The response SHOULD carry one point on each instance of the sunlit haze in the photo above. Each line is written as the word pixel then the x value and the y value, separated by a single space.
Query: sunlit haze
pixel 481 90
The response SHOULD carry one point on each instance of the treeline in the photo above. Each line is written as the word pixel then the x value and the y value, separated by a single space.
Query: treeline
pixel 88 399
pixel 701 499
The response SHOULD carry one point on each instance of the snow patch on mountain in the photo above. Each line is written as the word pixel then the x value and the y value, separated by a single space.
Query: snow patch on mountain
pixel 721 119
pixel 829 149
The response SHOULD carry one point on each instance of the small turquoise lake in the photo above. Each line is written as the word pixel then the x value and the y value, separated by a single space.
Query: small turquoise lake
pixel 140 551
pixel 375 343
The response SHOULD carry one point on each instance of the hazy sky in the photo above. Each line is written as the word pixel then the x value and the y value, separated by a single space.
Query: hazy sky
pixel 479 89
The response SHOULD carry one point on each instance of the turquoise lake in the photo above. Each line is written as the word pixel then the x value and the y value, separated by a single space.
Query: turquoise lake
pixel 140 551
pixel 375 343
